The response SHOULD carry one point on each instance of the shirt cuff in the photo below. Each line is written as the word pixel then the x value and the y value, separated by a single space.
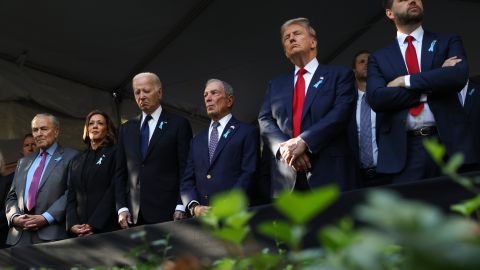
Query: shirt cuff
pixel 48 217
pixel 407 81
pixel 123 209
pixel 11 219
pixel 180 207
pixel 189 205
pixel 423 98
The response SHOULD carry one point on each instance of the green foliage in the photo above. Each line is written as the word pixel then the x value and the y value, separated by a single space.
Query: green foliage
pixel 300 207
pixel 467 207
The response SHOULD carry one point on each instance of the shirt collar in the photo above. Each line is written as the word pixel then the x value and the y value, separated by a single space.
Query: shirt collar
pixel 310 67
pixel 224 121
pixel 360 93
pixel 50 150
pixel 155 115
pixel 417 34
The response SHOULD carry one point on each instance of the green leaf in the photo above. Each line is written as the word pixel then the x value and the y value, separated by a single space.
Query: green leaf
pixel 210 220
pixel 282 231
pixel 234 235
pixel 301 207
pixel 239 220
pixel 436 150
pixel 453 164
pixel 468 207
pixel 227 204
pixel 224 264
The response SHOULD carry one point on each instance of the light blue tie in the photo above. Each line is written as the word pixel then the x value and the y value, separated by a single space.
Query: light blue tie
pixel 366 149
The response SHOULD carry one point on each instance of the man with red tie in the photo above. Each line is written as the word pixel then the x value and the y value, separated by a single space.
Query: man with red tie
pixel 35 205
pixel 412 85
pixel 305 115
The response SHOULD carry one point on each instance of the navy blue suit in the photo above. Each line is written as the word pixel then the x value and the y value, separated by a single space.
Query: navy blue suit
pixel 472 108
pixel 233 165
pixel 440 84
pixel 327 110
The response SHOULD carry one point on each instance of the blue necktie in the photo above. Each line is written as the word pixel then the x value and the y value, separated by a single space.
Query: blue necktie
pixel 144 136
pixel 212 145
pixel 366 148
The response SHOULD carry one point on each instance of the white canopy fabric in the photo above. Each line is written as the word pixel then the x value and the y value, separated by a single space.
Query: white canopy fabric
pixel 69 57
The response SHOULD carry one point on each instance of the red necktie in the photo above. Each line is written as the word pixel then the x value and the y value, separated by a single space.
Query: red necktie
pixel 298 100
pixel 37 175
pixel 413 68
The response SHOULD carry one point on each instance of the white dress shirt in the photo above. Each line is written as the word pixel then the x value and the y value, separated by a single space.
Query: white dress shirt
pixel 153 122
pixel 311 67
pixel 425 118
pixel 222 124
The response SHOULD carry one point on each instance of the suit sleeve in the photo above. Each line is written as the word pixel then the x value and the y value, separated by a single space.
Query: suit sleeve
pixel 336 120
pixel 120 176
pixel 387 99
pixel 72 218
pixel 269 128
pixel 183 147
pixel 11 200
pixel 250 159
pixel 188 188
pixel 444 79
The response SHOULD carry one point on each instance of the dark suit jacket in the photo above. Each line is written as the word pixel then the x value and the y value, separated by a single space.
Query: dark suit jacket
pixel 92 200
pixel 472 108
pixel 440 84
pixel 51 195
pixel 5 183
pixel 233 165
pixel 152 184
pixel 327 110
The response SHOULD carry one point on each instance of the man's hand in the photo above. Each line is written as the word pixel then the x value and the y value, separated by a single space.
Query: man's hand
pixel 292 149
pixel 200 210
pixel 81 230
pixel 124 219
pixel 302 163
pixel 398 82
pixel 19 221
pixel 178 215
pixel 35 222
pixel 452 61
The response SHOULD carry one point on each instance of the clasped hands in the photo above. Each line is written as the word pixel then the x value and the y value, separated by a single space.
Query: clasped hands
pixel 400 81
pixel 30 222
pixel 293 153
pixel 82 229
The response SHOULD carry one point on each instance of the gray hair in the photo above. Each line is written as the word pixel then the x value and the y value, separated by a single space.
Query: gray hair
pixel 300 21
pixel 156 79
pixel 2 164
pixel 54 119
pixel 227 87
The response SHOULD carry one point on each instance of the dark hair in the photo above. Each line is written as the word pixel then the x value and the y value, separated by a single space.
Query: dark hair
pixel 111 138
pixel 28 135
pixel 354 60
pixel 387 4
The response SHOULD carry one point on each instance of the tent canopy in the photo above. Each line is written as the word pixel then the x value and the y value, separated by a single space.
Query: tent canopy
pixel 69 57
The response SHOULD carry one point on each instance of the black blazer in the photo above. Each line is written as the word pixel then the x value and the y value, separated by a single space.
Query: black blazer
pixel 472 108
pixel 152 185
pixel 5 183
pixel 92 200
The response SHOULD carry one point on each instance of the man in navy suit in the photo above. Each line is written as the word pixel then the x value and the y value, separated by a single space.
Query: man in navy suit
pixel 151 156
pixel 305 115
pixel 412 84
pixel 470 98
pixel 223 156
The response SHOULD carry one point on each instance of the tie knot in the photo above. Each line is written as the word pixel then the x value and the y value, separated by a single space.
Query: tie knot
pixel 301 71
pixel 409 39
pixel 44 153
pixel 215 124
pixel 148 117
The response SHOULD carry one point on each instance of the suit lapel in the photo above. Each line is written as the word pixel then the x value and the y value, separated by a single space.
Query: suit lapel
pixel 289 87
pixel 428 51
pixel 136 135
pixel 316 85
pixel 160 128
pixel 54 161
pixel 28 163
pixel 228 132
pixel 397 63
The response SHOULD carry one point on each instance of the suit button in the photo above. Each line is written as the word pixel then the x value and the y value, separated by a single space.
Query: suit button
pixel 209 176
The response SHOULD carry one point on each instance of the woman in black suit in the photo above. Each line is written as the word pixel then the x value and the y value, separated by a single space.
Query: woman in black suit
pixel 90 197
